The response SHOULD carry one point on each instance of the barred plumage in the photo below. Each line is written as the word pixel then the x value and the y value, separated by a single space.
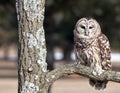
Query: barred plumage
pixel 92 48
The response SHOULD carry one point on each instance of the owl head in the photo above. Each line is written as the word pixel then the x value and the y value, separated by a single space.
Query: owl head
pixel 87 28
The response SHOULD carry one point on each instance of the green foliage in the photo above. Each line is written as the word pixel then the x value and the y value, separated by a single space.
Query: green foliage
pixel 8 22
pixel 61 16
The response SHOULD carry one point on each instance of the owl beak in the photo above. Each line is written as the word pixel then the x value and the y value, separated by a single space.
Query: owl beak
pixel 86 33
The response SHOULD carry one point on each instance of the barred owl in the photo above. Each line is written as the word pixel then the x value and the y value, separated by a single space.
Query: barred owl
pixel 92 49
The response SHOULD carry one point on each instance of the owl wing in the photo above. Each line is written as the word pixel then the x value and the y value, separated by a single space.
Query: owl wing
pixel 76 51
pixel 105 52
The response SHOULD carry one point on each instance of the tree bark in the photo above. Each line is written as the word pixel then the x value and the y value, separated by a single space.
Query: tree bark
pixel 6 51
pixel 81 70
pixel 33 76
pixel 32 50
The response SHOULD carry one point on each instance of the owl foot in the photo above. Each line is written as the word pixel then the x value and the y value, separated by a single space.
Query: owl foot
pixel 77 64
pixel 97 73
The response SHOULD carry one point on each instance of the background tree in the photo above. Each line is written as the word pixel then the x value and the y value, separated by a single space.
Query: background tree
pixel 60 20
pixel 61 17
pixel 8 25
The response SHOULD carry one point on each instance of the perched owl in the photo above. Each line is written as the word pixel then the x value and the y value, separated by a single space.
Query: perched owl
pixel 92 49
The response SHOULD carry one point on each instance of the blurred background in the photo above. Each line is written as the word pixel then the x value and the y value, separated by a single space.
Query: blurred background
pixel 60 19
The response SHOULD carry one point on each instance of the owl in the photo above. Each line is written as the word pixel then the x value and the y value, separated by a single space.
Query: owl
pixel 92 49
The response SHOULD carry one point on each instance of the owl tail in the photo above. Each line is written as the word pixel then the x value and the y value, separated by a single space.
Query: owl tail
pixel 99 85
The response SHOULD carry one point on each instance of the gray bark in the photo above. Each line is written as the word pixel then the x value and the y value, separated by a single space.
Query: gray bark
pixel 32 49
pixel 33 76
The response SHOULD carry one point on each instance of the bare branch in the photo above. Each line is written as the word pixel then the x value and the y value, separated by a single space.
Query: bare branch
pixel 81 70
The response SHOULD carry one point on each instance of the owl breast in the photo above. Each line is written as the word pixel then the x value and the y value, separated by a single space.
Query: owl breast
pixel 88 53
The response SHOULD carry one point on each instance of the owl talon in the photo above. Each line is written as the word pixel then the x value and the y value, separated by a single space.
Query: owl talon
pixel 77 64
pixel 97 73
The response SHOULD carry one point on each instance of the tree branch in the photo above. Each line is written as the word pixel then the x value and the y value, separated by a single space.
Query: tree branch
pixel 81 70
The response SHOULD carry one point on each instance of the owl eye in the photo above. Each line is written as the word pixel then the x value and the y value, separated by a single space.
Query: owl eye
pixel 83 27
pixel 91 27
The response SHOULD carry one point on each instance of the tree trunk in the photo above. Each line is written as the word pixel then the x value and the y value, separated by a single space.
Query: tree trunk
pixel 50 58
pixel 67 53
pixel 32 50
pixel 6 51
